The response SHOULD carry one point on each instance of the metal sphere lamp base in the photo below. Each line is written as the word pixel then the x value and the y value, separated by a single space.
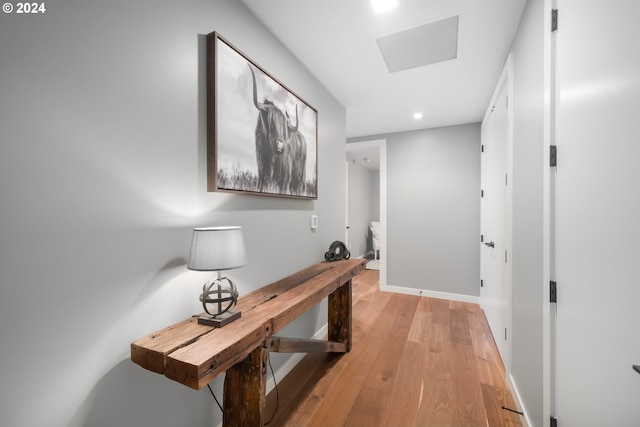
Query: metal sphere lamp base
pixel 218 297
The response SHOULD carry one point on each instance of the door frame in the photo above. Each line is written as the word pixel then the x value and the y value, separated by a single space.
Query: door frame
pixel 548 221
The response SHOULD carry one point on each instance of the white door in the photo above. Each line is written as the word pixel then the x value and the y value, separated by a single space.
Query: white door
pixel 598 213
pixel 495 292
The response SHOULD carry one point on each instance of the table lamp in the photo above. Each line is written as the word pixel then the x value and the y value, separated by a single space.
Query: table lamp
pixel 217 249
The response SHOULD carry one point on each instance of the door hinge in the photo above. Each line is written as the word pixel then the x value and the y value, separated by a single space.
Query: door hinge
pixel 553 156
pixel 505 257
pixel 481 193
pixel 554 422
pixel 553 297
pixel 505 334
pixel 481 238
pixel 506 102
pixel 554 20
pixel 481 283
pixel 482 148
pixel 506 179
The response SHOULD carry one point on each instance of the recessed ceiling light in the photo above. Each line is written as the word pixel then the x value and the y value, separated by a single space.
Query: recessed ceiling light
pixel 380 6
pixel 418 116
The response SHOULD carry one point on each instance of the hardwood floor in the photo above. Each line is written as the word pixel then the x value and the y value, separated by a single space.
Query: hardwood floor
pixel 415 361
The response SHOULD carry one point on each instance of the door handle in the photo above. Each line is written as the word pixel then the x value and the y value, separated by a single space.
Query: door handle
pixel 636 368
pixel 490 244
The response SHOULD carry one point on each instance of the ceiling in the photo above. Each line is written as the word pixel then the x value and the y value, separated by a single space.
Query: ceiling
pixel 336 41
pixel 367 157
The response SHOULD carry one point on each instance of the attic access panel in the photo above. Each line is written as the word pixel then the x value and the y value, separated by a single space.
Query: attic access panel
pixel 419 46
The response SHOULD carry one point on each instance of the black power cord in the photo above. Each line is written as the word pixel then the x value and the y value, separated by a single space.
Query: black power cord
pixel 275 384
pixel 214 398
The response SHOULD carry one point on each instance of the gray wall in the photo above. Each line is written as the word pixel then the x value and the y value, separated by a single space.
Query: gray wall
pixel 528 163
pixel 375 195
pixel 433 209
pixel 102 178
pixel 361 197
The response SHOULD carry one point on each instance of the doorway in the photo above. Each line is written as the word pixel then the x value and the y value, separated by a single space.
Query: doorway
pixel 356 154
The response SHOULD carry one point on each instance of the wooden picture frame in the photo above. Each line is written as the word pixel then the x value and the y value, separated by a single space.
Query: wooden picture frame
pixel 261 137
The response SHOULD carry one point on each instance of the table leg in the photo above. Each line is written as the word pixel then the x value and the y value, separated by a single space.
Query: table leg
pixel 244 391
pixel 339 316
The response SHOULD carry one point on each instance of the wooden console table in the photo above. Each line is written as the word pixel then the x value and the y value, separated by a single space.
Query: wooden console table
pixel 194 354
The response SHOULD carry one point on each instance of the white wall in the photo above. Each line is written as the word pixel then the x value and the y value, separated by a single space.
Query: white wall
pixel 528 166
pixel 433 210
pixel 375 195
pixel 102 178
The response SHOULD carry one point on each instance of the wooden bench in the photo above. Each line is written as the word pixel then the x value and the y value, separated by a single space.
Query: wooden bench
pixel 194 354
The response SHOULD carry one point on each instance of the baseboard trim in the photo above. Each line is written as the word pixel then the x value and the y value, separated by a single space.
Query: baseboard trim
pixel 431 294
pixel 518 402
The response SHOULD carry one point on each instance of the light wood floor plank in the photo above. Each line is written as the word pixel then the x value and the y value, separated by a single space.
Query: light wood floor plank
pixel 495 399
pixel 459 328
pixel 405 395
pixel 436 406
pixel 489 363
pixel 368 408
pixel 467 400
pixel 386 363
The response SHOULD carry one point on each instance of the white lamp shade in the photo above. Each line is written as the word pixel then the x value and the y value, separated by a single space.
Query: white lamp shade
pixel 217 248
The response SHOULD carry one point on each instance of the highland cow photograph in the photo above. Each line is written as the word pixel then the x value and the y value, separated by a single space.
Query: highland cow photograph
pixel 262 136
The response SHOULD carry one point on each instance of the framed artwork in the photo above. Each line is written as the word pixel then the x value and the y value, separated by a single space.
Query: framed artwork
pixel 262 138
